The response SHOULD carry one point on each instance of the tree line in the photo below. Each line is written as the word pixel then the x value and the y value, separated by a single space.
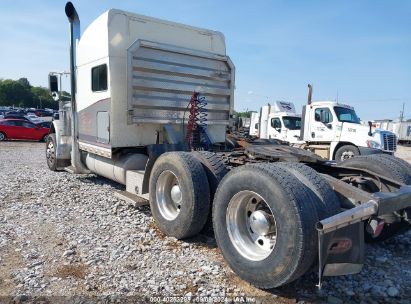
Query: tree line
pixel 20 93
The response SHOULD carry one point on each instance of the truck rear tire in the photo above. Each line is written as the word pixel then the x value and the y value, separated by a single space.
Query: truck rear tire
pixel 329 203
pixel 385 166
pixel 51 152
pixel 264 223
pixel 390 167
pixel 404 164
pixel 346 152
pixel 179 194
pixel 215 168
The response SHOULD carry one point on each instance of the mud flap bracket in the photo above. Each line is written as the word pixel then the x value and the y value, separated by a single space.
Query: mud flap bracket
pixel 341 251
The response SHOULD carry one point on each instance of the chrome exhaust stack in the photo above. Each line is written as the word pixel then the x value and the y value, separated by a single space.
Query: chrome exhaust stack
pixel 309 100
pixel 310 94
pixel 71 13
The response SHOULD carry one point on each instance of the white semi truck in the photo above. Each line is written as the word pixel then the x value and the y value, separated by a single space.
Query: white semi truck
pixel 334 131
pixel 151 100
pixel 280 121
pixel 330 129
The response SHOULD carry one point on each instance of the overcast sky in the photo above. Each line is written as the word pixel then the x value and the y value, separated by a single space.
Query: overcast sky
pixel 356 51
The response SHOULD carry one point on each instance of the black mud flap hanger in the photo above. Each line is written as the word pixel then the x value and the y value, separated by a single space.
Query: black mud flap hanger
pixel 341 237
pixel 341 252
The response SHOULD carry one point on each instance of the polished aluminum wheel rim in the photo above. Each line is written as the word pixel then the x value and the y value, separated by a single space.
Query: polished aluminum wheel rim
pixel 50 152
pixel 2 136
pixel 251 225
pixel 168 195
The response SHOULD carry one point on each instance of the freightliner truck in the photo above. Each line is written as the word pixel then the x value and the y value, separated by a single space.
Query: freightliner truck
pixel 151 100
pixel 330 129
pixel 280 121
pixel 334 131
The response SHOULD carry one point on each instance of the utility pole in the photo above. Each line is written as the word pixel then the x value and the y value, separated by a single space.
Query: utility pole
pixel 402 112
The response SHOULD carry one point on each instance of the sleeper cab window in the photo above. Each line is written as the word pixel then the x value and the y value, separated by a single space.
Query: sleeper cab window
pixel 99 78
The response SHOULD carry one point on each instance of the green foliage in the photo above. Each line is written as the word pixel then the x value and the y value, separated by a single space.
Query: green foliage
pixel 246 114
pixel 65 96
pixel 20 93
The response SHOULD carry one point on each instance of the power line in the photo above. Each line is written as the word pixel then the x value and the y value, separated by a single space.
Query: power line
pixel 381 100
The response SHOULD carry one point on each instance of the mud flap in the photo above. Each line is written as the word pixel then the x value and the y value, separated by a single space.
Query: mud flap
pixel 341 252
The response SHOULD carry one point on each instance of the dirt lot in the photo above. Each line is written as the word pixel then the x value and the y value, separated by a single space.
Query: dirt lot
pixel 67 235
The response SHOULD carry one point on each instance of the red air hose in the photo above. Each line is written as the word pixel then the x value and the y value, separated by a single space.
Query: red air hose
pixel 196 137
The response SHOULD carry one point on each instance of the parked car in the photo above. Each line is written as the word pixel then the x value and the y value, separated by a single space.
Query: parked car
pixel 33 118
pixel 22 129
pixel 44 124
pixel 16 112
pixel 43 113
pixel 16 116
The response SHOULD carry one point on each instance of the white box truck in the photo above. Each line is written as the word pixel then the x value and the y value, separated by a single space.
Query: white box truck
pixel 151 100
pixel 403 131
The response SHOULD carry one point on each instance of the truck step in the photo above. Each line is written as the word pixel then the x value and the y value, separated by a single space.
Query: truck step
pixel 131 198
pixel 70 169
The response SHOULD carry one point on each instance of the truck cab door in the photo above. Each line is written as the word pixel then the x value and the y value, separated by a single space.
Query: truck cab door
pixel 274 128
pixel 322 124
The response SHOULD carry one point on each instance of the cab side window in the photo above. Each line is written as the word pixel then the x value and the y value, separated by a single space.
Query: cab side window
pixel 99 78
pixel 276 123
pixel 323 115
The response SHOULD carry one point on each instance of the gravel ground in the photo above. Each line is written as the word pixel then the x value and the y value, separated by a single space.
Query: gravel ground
pixel 67 235
pixel 404 152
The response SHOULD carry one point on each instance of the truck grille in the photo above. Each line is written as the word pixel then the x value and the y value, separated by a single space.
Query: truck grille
pixel 389 142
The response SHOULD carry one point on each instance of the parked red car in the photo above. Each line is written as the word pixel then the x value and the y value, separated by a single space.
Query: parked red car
pixel 22 129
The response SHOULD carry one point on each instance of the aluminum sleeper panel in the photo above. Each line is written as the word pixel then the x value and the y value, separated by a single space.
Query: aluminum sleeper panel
pixel 162 79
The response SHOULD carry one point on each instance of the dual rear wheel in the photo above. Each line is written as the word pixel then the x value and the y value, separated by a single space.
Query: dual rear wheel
pixel 182 187
pixel 264 215
pixel 264 219
pixel 179 194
